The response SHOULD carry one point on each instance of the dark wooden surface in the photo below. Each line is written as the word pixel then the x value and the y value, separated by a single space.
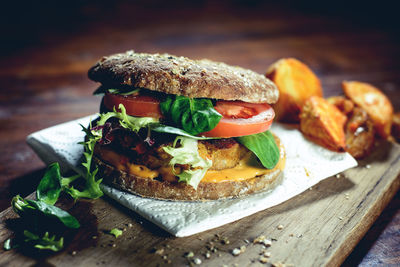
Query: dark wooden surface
pixel 47 49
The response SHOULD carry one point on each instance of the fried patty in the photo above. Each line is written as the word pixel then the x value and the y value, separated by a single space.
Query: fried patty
pixel 224 153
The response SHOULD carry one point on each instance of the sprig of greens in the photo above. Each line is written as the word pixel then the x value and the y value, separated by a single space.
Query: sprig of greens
pixel 45 242
pixel 92 185
pixel 38 210
pixel 126 121
pixel 40 215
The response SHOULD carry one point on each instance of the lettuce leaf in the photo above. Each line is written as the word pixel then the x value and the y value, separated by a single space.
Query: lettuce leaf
pixel 49 188
pixel 194 115
pixel 136 123
pixel 187 153
pixel 46 242
pixel 263 145
pixel 126 121
pixel 92 185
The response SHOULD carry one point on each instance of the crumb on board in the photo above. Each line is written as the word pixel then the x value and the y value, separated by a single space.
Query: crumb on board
pixel 262 240
pixel 263 259
pixel 197 261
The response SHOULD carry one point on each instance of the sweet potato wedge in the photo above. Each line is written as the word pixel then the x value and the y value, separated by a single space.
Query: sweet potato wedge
pixel 323 123
pixel 360 134
pixel 343 104
pixel 374 102
pixel 396 126
pixel 296 83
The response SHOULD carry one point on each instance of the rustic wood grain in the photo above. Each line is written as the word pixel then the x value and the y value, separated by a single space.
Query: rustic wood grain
pixel 43 64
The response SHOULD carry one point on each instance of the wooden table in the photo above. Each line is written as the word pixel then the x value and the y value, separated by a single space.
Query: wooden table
pixel 48 50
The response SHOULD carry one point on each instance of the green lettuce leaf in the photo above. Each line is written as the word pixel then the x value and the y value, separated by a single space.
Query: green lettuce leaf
pixel 49 188
pixel 92 184
pixel 136 123
pixel 194 115
pixel 263 145
pixel 115 232
pixel 126 121
pixel 46 242
pixel 31 208
pixel 187 153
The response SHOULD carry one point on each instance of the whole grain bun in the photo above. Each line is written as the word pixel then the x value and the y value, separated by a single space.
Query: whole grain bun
pixel 147 187
pixel 182 76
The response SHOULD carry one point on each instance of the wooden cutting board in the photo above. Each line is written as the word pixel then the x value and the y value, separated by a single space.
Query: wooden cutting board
pixel 319 227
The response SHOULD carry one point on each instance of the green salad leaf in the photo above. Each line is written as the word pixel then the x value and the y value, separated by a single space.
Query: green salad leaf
pixel 92 184
pixel 184 151
pixel 126 121
pixel 136 123
pixel 36 208
pixel 115 232
pixel 46 242
pixel 194 115
pixel 263 145
pixel 49 188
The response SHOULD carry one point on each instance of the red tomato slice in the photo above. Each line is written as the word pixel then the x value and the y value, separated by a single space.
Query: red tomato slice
pixel 135 105
pixel 238 118
pixel 241 118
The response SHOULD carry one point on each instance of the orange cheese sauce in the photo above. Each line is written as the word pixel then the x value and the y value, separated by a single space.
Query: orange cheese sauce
pixel 247 168
pixel 118 162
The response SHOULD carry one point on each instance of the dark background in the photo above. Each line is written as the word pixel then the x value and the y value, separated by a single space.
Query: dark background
pixel 46 48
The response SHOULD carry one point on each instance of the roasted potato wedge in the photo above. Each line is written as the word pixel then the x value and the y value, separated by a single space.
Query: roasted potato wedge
pixel 296 83
pixel 374 102
pixel 323 123
pixel 360 134
pixel 396 126
pixel 342 103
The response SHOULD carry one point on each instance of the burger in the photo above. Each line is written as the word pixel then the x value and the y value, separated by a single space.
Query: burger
pixel 174 128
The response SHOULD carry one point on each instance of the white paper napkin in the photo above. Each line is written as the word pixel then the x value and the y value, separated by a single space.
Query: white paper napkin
pixel 306 165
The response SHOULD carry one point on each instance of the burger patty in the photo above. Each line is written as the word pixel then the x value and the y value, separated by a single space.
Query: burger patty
pixel 224 153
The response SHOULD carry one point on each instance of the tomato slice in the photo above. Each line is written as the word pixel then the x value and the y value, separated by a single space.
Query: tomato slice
pixel 135 105
pixel 238 118
pixel 241 118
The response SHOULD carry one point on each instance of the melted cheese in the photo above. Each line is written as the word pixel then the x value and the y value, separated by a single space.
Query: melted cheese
pixel 121 164
pixel 247 168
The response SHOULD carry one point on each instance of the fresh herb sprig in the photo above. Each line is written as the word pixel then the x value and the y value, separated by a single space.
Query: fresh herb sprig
pixel 44 222
pixel 41 215
pixel 92 184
